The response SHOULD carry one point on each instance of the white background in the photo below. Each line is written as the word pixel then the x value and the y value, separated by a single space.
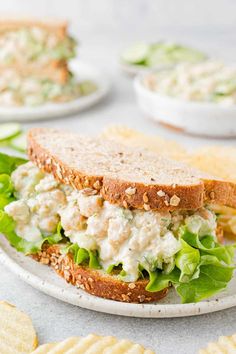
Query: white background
pixel 103 28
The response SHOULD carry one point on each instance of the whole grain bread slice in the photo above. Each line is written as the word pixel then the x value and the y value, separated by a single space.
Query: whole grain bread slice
pixel 53 25
pixel 126 176
pixel 56 71
pixel 96 282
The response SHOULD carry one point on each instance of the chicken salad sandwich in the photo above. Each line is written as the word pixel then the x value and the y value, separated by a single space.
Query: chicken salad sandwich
pixel 119 222
pixel 34 63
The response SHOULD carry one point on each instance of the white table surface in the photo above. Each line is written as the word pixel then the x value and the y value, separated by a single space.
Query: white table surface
pixel 55 320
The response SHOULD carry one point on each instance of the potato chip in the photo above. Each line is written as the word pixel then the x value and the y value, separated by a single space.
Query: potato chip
pixel 217 160
pixel 17 334
pixel 225 345
pixel 93 344
pixel 154 143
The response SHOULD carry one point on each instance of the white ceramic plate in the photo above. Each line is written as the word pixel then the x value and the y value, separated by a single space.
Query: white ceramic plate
pixel 205 119
pixel 45 279
pixel 82 71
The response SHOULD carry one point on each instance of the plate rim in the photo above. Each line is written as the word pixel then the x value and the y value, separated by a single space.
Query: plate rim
pixel 55 110
pixel 91 302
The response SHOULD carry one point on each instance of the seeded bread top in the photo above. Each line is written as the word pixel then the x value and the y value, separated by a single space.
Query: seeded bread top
pixel 127 176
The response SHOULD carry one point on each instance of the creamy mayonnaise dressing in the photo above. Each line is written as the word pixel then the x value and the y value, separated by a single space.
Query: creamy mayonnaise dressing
pixel 130 237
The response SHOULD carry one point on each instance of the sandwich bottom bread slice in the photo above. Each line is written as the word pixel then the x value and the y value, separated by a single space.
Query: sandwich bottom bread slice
pixel 120 223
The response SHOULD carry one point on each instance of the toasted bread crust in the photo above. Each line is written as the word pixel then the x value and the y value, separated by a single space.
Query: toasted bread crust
pixel 147 196
pixel 59 27
pixel 220 192
pixel 96 282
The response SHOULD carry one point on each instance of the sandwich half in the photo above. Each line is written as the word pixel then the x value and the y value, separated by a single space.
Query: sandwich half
pixel 34 43
pixel 34 56
pixel 121 223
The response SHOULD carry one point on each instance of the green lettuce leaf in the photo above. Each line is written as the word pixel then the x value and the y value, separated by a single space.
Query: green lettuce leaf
pixel 9 163
pixel 81 255
pixel 7 227
pixel 159 280
pixel 202 268
pixel 6 185
pixel 207 245
pixel 112 267
pixel 187 261
pixel 214 277
pixel 6 191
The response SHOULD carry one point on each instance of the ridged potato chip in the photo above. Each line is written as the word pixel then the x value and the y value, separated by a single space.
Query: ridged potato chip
pixel 217 160
pixel 93 344
pixel 225 345
pixel 154 143
pixel 17 334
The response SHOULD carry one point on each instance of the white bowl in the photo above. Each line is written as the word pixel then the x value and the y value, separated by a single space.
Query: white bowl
pixel 199 118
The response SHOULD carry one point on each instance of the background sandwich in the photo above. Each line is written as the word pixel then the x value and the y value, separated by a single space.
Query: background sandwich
pixel 34 63
pixel 121 223
pixel 35 43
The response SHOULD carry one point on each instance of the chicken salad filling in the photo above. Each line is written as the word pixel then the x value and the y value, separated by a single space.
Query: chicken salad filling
pixel 32 90
pixel 209 81
pixel 34 44
pixel 169 247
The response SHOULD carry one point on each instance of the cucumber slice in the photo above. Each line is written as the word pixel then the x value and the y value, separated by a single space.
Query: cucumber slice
pixel 166 53
pixel 9 130
pixel 19 142
pixel 136 54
